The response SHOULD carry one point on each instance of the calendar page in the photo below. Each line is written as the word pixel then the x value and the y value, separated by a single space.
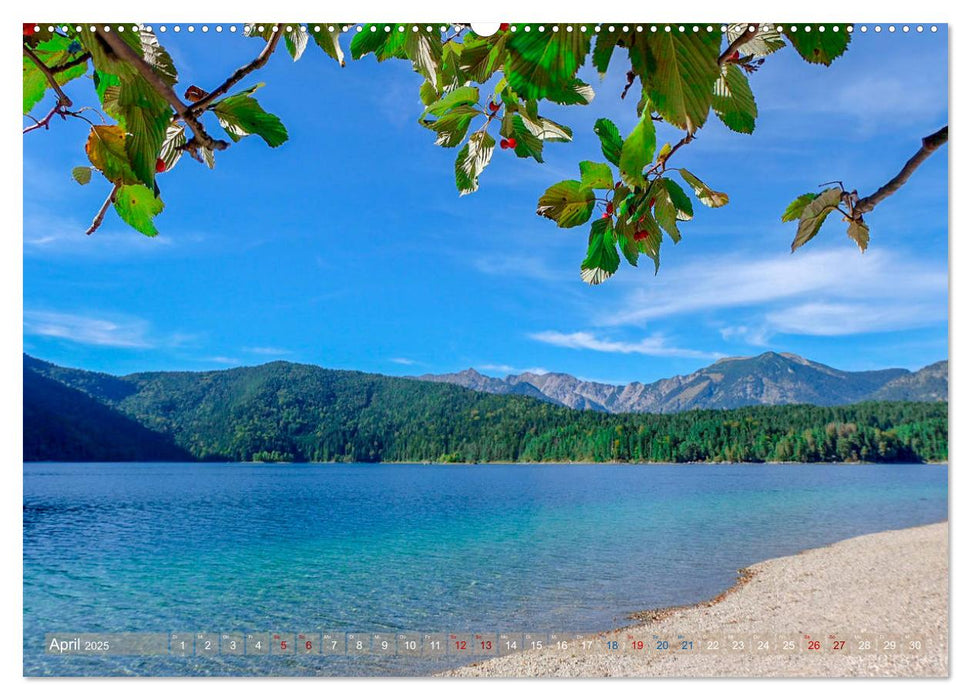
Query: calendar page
pixel 516 349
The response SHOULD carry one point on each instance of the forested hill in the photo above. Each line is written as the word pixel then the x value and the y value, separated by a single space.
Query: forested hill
pixel 285 411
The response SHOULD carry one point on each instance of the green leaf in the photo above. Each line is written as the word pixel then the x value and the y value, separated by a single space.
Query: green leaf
pixel 794 210
pixel 860 233
pixel 538 63
pixel 665 212
pixel 610 141
pixel 329 41
pixel 630 248
pixel 137 206
pixel 603 48
pixel 734 102
pixel 241 115
pixel 597 176
pixel 814 214
pixel 53 52
pixel 569 203
pixel 528 145
pixel 453 126
pixel 146 116
pixel 651 245
pixel 680 200
pixel 35 85
pixel 451 76
pixel 472 160
pixel 575 92
pixel 766 39
pixel 548 130
pixel 460 96
pixel 427 93
pixel 638 150
pixel 425 51
pixel 482 57
pixel 155 55
pixel 106 151
pixel 705 195
pixel 678 72
pixel 602 259
pixel 296 41
pixel 82 174
pixel 382 44
pixel 171 150
pixel 816 46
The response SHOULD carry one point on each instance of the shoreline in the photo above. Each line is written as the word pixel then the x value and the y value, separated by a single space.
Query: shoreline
pixel 887 584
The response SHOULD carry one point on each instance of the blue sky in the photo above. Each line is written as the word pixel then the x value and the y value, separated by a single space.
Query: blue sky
pixel 349 246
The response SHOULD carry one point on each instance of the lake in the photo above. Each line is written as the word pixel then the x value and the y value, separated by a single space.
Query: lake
pixel 427 548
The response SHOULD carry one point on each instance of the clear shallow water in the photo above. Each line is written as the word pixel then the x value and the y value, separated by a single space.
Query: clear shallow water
pixel 430 548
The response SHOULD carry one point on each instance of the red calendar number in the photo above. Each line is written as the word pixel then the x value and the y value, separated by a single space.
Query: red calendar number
pixel 460 644
pixel 813 645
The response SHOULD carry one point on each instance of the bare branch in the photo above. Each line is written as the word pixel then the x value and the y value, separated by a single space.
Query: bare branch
pixel 751 30
pixel 126 53
pixel 200 105
pixel 76 61
pixel 45 122
pixel 100 216
pixel 929 144
pixel 62 99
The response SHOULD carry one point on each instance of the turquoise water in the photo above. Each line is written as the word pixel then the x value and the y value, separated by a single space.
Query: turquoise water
pixel 429 548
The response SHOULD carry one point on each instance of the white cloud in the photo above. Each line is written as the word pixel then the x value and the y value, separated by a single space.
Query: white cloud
pixel 655 345
pixel 509 369
pixel 87 330
pixel 751 335
pixel 404 361
pixel 830 319
pixel 267 351
pixel 902 291
pixel 223 360
pixel 519 267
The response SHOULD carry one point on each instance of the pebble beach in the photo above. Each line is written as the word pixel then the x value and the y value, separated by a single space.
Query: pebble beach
pixel 892 582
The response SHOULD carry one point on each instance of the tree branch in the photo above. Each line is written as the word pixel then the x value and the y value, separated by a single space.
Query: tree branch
pixel 62 99
pixel 76 61
pixel 100 216
pixel 200 105
pixel 751 30
pixel 45 122
pixel 126 53
pixel 929 144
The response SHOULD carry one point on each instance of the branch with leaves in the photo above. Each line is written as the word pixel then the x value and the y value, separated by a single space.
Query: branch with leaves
pixel 811 209
pixel 477 92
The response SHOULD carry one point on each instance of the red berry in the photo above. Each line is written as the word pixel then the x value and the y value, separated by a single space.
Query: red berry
pixel 606 215
pixel 493 106
pixel 29 29
pixel 160 166
pixel 504 27
pixel 511 141
pixel 610 207
pixel 618 184
pixel 734 56
pixel 640 235
pixel 503 144
pixel 650 205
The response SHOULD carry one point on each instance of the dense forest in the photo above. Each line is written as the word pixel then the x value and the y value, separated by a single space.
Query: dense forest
pixel 290 412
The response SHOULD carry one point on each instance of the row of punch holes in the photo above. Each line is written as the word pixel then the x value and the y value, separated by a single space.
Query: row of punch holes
pixel 205 28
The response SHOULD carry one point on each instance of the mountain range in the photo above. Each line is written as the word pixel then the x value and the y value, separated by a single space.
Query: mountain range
pixel 771 378
pixel 282 411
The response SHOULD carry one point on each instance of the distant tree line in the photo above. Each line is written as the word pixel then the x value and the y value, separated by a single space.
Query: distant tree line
pixel 288 412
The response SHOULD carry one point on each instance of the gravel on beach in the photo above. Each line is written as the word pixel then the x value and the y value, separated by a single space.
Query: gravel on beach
pixel 889 583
